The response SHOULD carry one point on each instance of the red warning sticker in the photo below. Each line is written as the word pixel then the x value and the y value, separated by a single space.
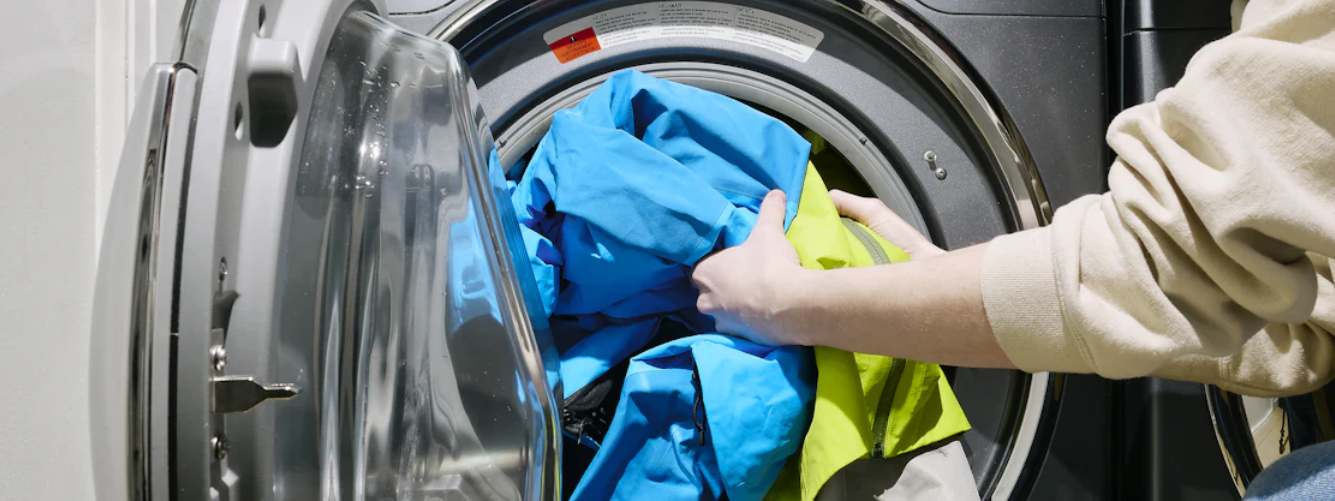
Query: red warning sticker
pixel 685 19
pixel 577 44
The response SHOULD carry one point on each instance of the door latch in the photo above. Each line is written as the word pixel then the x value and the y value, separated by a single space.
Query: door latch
pixel 241 393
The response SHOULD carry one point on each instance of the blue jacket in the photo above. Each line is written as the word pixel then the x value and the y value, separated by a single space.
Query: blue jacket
pixel 627 191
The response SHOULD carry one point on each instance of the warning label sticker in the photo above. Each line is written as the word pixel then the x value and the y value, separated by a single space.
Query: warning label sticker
pixel 651 21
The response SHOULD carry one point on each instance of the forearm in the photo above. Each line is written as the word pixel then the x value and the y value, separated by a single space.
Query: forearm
pixel 929 310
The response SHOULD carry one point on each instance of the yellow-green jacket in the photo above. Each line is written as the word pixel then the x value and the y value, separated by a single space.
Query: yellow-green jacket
pixel 866 405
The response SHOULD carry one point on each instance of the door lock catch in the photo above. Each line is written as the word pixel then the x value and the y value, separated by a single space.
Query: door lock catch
pixel 233 394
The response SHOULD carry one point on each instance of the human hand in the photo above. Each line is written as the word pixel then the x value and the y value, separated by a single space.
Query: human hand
pixel 746 288
pixel 880 219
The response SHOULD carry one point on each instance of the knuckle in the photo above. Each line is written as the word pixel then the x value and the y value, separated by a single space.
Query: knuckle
pixel 705 266
pixel 704 304
pixel 700 271
pixel 703 284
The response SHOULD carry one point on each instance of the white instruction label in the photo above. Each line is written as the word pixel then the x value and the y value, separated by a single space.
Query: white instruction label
pixel 651 21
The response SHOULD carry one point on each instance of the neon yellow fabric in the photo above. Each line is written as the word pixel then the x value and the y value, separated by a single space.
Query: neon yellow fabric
pixel 849 385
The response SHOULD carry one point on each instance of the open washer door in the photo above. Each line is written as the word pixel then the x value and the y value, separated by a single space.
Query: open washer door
pixel 871 78
pixel 308 288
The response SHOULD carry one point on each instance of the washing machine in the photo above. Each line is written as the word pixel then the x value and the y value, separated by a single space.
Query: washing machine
pixel 312 285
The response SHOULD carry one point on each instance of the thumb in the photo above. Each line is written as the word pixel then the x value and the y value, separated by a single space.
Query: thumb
pixel 772 210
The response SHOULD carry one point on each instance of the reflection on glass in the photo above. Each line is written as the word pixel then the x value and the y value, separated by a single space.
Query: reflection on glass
pixel 402 312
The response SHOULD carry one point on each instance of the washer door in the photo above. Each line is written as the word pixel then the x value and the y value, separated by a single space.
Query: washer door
pixel 307 231
pixel 870 78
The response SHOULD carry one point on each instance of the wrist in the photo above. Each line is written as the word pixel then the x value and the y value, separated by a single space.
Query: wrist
pixel 795 306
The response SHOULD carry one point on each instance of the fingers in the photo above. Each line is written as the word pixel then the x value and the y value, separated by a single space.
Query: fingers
pixel 884 222
pixel 868 211
pixel 864 210
pixel 705 303
pixel 772 210
pixel 702 270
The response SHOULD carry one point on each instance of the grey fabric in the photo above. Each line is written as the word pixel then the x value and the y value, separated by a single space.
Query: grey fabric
pixel 940 472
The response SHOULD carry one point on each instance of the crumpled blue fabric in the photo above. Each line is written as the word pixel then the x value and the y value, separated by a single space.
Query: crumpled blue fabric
pixel 729 390
pixel 623 196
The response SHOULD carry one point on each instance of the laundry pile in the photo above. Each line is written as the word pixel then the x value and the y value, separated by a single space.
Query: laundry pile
pixel 623 196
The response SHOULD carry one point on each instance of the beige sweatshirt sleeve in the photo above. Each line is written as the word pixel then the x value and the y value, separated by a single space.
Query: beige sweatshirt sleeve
pixel 1196 265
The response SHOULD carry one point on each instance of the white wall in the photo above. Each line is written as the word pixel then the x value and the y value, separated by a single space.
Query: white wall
pixel 46 246
pixel 67 72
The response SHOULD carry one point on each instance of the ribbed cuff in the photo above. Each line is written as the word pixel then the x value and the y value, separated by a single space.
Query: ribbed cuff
pixel 1019 284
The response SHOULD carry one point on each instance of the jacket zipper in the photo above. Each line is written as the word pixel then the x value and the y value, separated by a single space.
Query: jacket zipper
pixel 882 421
pixel 878 254
pixel 883 408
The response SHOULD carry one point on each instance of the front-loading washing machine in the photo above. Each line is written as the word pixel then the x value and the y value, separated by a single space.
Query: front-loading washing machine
pixel 309 285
